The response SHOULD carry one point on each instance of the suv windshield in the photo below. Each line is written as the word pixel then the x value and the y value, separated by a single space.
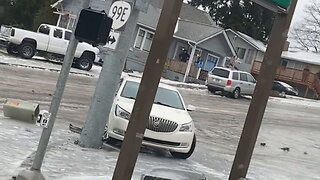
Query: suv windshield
pixel 165 97
pixel 221 73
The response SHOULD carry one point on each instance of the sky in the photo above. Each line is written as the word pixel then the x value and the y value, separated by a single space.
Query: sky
pixel 299 13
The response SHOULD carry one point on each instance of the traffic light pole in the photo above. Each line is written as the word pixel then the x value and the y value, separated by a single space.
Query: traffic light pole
pixel 147 90
pixel 261 94
pixel 91 136
pixel 54 107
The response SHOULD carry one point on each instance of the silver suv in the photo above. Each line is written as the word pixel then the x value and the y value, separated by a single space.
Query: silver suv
pixel 231 82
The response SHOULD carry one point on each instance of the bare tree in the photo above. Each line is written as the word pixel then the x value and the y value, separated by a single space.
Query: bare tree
pixel 307 33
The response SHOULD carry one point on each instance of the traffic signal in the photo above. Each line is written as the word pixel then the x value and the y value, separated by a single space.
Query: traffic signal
pixel 282 3
pixel 93 27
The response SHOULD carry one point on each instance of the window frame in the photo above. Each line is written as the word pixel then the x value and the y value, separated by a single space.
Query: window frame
pixel 58 37
pixel 65 35
pixel 233 78
pixel 249 76
pixel 251 53
pixel 46 27
pixel 286 62
pixel 141 48
pixel 244 54
pixel 245 74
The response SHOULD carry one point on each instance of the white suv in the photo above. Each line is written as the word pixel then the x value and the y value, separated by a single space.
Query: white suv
pixel 231 82
pixel 169 126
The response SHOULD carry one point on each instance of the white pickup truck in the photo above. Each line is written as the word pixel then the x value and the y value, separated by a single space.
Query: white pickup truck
pixel 50 39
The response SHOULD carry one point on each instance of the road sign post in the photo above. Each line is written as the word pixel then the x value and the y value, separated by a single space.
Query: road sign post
pixel 113 40
pixel 34 172
pixel 147 90
pixel 261 94
pixel 91 136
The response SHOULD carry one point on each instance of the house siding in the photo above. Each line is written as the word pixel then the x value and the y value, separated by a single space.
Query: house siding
pixel 217 45
pixel 238 42
pixel 260 56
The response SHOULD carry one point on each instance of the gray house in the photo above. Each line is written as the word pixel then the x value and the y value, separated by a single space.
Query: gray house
pixel 251 53
pixel 195 32
pixel 248 49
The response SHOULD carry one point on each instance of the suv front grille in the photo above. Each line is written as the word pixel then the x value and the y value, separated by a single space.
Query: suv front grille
pixel 161 125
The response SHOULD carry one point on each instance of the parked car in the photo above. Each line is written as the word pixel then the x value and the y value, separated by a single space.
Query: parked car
pixel 284 88
pixel 231 82
pixel 50 39
pixel 169 127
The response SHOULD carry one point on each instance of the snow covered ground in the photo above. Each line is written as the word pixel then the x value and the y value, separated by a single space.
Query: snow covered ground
pixel 292 122
pixel 41 63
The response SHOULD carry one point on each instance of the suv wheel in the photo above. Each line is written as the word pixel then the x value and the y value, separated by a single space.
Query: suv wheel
pixel 236 93
pixel 27 50
pixel 188 154
pixel 211 89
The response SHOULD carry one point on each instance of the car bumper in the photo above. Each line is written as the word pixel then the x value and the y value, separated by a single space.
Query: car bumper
pixel 219 88
pixel 175 141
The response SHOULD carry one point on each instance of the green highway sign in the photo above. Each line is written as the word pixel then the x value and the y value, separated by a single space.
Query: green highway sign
pixel 282 3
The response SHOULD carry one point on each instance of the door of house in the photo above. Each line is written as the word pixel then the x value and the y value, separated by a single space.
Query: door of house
pixel 211 62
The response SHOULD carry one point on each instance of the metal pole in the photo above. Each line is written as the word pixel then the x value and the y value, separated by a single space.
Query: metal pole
pixel 91 136
pixel 260 98
pixel 186 74
pixel 147 90
pixel 56 100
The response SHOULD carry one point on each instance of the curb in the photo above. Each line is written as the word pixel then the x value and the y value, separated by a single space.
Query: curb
pixel 43 68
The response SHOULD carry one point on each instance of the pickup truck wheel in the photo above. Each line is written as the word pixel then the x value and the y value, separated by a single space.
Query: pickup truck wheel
pixel 84 63
pixel 12 49
pixel 27 50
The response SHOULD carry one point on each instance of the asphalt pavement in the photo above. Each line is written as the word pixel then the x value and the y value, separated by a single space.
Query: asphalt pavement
pixel 292 123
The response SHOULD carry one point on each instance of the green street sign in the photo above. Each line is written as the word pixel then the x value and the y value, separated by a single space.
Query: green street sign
pixel 282 3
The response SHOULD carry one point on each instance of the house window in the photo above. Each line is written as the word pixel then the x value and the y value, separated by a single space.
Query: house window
pixel 298 65
pixel 241 53
pixel 284 63
pixel 250 56
pixel 291 64
pixel 144 40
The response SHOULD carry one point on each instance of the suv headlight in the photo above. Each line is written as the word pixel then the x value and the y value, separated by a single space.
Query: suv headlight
pixel 186 127
pixel 120 112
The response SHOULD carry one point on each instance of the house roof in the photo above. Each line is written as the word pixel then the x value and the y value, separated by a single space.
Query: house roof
pixel 302 56
pixel 250 40
pixel 187 12
pixel 195 31
pixel 258 44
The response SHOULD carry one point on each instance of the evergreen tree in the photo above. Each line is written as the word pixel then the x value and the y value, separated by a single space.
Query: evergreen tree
pixel 45 15
pixel 27 14
pixel 239 15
